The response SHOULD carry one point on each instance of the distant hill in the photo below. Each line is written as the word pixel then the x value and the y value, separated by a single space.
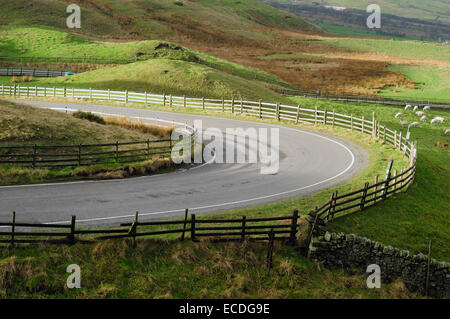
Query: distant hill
pixel 428 20
pixel 214 21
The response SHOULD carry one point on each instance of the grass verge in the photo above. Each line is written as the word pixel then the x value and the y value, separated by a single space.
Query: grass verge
pixel 172 269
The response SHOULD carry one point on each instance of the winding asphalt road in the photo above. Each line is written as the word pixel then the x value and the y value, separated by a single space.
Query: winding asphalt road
pixel 309 161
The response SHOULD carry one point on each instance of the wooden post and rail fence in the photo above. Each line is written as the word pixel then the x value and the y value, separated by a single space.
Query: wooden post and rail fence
pixel 338 205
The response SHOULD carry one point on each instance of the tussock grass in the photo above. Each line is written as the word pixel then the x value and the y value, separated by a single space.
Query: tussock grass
pixel 162 131
pixel 173 269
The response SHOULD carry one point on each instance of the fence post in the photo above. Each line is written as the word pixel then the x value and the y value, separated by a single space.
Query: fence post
pixel 73 92
pixel 65 91
pixel 400 141
pixel 13 228
pixel 15 87
pixel 325 117
pixel 260 109
pixel 170 100
pixel 278 111
pixel 243 228
pixel 72 230
pixel 79 155
pixel 18 90
pixel 269 259
pixel 148 147
pixel 373 124
pixel 294 226
pixel 164 99
pixel 351 122
pixel 334 115
pixel 184 101
pixel 186 213
pixel 363 197
pixel 193 227
pixel 395 139
pixel 427 284
pixel 298 114
pixel 232 105
pixel 388 177
pixel 126 96
pixel 401 178
pixel 133 228
pixel 362 124
pixel 203 103
pixel 109 95
pixel 395 180
pixel 34 155
pixel 375 194
pixel 90 93
pixel 330 207
pixel 117 150
pixel 242 106
pixel 315 115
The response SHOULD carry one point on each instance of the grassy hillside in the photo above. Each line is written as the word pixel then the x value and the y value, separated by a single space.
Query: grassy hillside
pixel 171 269
pixel 21 123
pixel 25 125
pixel 433 83
pixel 157 19
pixel 407 49
pixel 164 68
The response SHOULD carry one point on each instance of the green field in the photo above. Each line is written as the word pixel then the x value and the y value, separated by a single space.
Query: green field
pixel 405 49
pixel 418 9
pixel 433 83
pixel 163 67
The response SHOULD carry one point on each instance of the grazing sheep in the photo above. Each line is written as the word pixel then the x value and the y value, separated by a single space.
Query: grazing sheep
pixel 398 115
pixel 414 124
pixel 415 108
pixel 420 113
pixel 407 107
pixel 447 131
pixel 426 108
pixel 437 119
pixel 423 118
pixel 404 123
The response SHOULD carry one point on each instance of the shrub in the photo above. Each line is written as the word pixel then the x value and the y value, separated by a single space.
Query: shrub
pixel 89 116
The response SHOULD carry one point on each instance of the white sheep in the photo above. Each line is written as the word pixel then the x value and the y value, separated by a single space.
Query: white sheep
pixel 437 119
pixel 404 123
pixel 415 108
pixel 414 124
pixel 423 118
pixel 398 115
pixel 426 108
pixel 407 107
pixel 420 113
pixel 447 131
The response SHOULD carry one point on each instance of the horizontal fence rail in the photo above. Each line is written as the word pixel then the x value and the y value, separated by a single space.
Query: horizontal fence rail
pixel 440 103
pixel 283 228
pixel 83 154
pixel 338 204
pixel 32 72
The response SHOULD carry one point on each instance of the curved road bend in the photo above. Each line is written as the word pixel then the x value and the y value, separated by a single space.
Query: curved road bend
pixel 308 162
